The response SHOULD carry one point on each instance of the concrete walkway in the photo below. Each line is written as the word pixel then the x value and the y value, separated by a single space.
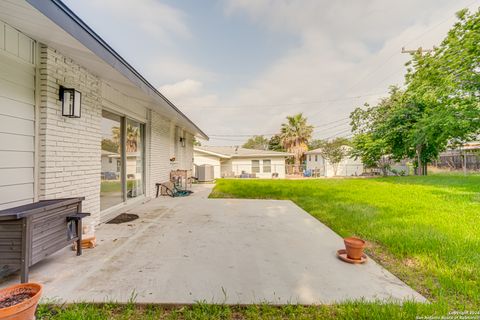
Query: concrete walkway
pixel 192 249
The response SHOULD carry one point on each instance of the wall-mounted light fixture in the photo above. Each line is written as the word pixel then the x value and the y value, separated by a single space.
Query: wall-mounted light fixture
pixel 182 141
pixel 71 102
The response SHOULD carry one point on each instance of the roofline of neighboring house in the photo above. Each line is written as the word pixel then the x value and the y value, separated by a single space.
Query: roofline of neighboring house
pixel 317 151
pixel 229 156
pixel 65 18
pixel 220 155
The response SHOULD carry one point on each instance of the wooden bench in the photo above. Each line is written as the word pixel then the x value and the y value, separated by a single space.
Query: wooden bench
pixel 32 232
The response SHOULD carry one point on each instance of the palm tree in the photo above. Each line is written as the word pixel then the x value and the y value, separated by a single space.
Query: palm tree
pixel 132 137
pixel 294 136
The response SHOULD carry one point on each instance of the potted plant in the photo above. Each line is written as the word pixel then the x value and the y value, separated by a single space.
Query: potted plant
pixel 354 247
pixel 20 301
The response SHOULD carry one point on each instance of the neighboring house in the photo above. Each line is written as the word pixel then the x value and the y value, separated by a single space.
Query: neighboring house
pixel 235 161
pixel 127 137
pixel 347 167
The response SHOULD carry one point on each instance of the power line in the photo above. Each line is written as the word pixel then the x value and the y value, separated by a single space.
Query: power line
pixel 272 134
pixel 286 104
pixel 338 134
pixel 395 53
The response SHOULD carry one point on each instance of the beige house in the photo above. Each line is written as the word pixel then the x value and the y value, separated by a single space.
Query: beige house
pixel 241 162
pixel 77 119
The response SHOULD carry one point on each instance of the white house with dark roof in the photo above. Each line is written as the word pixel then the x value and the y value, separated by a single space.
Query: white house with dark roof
pixel 242 162
pixel 76 119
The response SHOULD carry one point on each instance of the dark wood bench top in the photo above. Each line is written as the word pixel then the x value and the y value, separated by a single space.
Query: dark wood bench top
pixel 77 216
pixel 37 207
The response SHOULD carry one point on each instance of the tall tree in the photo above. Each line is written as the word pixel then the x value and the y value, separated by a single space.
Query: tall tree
pixel 445 87
pixel 256 142
pixel 440 105
pixel 275 143
pixel 295 134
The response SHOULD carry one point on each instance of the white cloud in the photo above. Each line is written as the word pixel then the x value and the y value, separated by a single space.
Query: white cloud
pixel 346 49
pixel 153 17
pixel 188 92
pixel 168 69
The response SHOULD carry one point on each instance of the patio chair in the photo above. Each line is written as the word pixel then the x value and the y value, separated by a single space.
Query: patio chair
pixel 170 189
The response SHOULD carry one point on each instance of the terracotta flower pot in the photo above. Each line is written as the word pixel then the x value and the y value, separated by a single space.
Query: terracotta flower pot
pixel 25 310
pixel 354 247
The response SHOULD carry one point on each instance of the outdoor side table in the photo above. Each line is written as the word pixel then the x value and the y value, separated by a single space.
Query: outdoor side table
pixel 32 232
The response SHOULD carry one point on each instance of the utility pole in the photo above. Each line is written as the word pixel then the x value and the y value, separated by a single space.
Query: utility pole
pixel 421 50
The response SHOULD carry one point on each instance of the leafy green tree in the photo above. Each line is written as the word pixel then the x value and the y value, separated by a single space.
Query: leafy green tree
pixel 196 143
pixel 440 105
pixel 256 142
pixel 444 87
pixel 334 151
pixel 315 144
pixel 295 134
pixel 275 143
pixel 109 145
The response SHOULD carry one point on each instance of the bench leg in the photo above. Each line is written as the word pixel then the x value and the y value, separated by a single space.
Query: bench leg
pixel 78 224
pixel 24 272
pixel 158 189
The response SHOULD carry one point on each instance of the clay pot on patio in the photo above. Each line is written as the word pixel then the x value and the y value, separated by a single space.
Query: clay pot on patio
pixel 19 302
pixel 354 247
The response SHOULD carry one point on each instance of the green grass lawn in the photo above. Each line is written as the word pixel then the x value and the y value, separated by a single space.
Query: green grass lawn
pixel 425 230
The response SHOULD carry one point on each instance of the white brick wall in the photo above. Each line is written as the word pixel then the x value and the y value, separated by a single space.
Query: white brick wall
pixel 162 148
pixel 69 149
pixel 160 145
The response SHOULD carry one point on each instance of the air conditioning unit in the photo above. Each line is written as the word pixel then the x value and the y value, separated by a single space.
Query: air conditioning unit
pixel 204 173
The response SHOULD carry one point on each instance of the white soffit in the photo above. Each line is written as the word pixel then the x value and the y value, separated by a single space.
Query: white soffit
pixel 21 15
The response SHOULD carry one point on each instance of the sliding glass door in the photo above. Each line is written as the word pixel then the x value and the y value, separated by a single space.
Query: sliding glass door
pixel 135 158
pixel 123 158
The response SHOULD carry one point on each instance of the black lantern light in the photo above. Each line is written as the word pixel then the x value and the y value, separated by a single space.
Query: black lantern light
pixel 71 102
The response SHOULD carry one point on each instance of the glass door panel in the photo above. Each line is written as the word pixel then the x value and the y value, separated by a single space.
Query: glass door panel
pixel 111 175
pixel 135 158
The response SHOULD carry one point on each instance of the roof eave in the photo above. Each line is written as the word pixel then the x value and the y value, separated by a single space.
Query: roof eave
pixel 65 18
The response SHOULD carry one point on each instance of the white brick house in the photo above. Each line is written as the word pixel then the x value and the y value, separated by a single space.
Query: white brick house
pixel 44 155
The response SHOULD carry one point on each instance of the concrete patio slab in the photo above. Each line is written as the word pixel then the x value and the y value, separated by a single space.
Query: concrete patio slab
pixel 192 249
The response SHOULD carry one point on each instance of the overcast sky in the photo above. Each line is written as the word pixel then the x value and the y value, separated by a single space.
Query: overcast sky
pixel 239 67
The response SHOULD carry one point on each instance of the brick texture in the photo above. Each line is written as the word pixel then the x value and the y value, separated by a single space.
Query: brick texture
pixel 70 149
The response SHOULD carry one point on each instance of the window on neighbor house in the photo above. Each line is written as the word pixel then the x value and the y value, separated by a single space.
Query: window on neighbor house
pixel 309 157
pixel 255 166
pixel 316 158
pixel 267 166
